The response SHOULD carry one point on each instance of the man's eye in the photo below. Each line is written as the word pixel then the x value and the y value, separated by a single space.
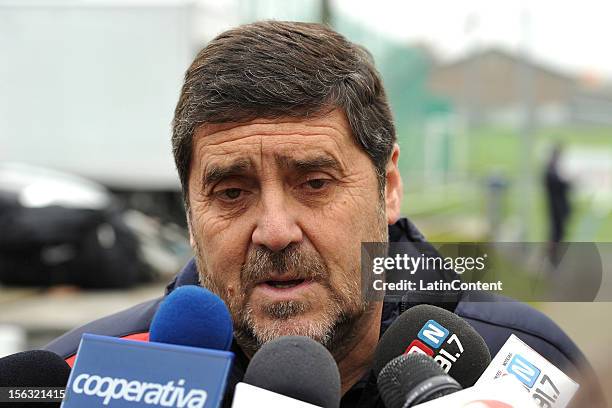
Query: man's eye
pixel 231 193
pixel 317 184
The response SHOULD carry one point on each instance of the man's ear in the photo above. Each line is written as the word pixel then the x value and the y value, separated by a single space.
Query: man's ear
pixel 394 188
pixel 191 240
pixel 190 229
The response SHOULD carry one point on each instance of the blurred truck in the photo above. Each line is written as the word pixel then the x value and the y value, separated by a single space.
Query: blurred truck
pixel 90 87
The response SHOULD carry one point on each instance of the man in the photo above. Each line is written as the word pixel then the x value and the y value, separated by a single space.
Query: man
pixel 559 209
pixel 286 151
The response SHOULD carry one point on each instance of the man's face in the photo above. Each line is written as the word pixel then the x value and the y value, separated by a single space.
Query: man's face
pixel 279 209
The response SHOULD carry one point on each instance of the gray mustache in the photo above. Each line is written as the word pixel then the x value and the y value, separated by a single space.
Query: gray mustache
pixel 262 264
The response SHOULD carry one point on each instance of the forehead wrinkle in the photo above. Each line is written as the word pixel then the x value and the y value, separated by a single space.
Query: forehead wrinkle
pixel 217 139
pixel 212 134
pixel 221 154
pixel 330 133
pixel 291 146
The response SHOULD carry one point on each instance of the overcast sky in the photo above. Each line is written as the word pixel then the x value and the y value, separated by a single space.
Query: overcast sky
pixel 575 35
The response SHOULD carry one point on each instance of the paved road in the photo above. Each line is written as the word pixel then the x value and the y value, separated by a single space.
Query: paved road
pixel 45 314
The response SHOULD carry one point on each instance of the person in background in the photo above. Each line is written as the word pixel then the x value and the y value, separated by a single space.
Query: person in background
pixel 559 209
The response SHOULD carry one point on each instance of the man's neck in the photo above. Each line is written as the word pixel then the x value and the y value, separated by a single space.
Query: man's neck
pixel 358 357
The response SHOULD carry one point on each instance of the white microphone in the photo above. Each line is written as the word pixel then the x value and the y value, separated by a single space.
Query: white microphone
pixel 548 386
pixel 248 396
pixel 506 392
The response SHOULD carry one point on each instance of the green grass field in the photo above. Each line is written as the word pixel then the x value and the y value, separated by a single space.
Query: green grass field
pixel 441 210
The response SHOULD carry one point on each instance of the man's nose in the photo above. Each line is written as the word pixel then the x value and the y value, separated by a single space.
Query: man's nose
pixel 276 226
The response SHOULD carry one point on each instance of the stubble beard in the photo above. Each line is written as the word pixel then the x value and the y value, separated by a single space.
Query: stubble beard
pixel 345 308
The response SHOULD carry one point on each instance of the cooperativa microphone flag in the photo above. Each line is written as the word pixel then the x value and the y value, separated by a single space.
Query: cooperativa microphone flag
pixel 118 373
pixel 186 364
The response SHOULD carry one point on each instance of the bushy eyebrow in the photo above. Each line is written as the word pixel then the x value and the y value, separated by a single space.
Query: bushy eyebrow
pixel 308 164
pixel 215 173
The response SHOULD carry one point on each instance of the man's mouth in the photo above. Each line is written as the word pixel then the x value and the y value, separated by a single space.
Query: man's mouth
pixel 283 288
pixel 284 284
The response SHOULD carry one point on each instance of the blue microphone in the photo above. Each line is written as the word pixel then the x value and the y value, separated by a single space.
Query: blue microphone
pixel 186 364
pixel 193 316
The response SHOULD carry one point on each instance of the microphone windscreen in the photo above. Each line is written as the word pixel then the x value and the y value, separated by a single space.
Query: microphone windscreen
pixel 35 368
pixel 193 316
pixel 443 335
pixel 414 375
pixel 297 367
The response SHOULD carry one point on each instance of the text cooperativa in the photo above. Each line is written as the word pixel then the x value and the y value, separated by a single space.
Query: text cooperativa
pixel 165 395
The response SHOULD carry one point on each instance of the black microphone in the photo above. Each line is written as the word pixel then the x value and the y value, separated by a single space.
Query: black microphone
pixel 440 334
pixel 296 367
pixel 412 379
pixel 35 368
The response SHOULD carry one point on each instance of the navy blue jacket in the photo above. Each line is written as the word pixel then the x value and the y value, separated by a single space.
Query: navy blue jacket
pixel 494 318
